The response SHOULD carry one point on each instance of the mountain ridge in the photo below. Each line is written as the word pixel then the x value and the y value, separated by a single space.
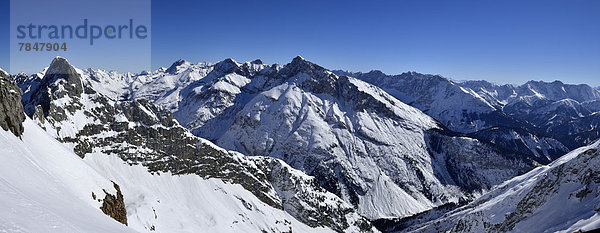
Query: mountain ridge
pixel 210 98
pixel 367 141
pixel 472 106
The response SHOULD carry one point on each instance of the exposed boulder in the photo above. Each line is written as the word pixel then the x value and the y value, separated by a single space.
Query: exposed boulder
pixel 114 206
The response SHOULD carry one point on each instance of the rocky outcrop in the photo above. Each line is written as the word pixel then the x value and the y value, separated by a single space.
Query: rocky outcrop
pixel 114 206
pixel 140 133
pixel 11 110
pixel 312 204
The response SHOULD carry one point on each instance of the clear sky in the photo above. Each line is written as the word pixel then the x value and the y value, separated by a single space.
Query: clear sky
pixel 499 41
pixel 4 36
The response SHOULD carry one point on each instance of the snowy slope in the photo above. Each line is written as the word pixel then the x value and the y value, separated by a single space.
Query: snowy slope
pixel 47 188
pixel 563 196
pixel 165 202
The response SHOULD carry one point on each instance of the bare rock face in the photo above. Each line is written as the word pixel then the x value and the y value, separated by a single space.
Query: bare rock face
pixel 114 206
pixel 11 109
pixel 313 205
pixel 61 81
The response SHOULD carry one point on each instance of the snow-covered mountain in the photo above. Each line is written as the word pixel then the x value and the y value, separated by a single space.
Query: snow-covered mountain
pixel 515 113
pixel 551 106
pixel 358 141
pixel 135 142
pixel 291 147
pixel 458 108
pixel 561 197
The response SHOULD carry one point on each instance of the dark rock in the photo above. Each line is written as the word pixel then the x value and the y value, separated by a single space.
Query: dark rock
pixel 61 80
pixel 11 109
pixel 173 68
pixel 310 207
pixel 114 206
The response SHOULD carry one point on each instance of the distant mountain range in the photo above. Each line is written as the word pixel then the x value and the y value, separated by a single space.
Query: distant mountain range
pixel 317 150
pixel 541 119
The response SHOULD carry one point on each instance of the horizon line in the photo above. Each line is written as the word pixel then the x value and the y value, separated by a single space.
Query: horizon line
pixel 299 56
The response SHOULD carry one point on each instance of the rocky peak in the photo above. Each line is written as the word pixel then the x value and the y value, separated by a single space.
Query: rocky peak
pixel 429 77
pixel 60 80
pixel 60 69
pixel 21 77
pixel 300 65
pixel 376 72
pixel 257 62
pixel 11 110
pixel 227 66
pixel 60 66
pixel 173 68
pixel 310 77
pixel 538 83
pixel 299 59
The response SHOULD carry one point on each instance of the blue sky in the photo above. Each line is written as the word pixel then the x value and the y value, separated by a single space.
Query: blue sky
pixel 500 41
pixel 4 37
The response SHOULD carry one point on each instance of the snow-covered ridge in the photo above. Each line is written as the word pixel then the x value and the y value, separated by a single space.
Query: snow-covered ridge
pixel 560 197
